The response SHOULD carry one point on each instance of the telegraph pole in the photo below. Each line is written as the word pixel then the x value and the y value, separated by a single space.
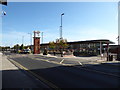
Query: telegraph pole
pixel 42 36
pixel 118 53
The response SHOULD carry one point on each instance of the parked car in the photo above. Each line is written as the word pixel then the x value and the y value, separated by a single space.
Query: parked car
pixel 20 51
pixel 25 51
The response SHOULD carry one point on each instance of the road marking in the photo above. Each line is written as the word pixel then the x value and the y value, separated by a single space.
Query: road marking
pixel 17 64
pixel 52 62
pixel 45 60
pixel 37 76
pixel 61 61
pixel 80 63
pixel 78 67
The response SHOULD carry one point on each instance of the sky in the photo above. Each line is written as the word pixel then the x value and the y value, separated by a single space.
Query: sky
pixel 81 21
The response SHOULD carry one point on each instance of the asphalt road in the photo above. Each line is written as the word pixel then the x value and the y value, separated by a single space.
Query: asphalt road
pixel 68 76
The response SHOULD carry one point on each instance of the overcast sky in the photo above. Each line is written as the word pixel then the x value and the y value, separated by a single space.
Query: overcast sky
pixel 81 21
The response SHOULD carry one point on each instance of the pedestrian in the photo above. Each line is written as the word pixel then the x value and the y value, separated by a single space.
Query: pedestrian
pixel 54 53
pixel 101 56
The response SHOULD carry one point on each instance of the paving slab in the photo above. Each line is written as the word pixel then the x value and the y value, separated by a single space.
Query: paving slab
pixel 12 77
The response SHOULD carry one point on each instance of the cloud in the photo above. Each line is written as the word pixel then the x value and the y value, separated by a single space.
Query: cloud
pixel 14 37
pixel 116 17
pixel 49 35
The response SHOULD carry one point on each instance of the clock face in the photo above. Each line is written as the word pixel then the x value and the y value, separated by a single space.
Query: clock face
pixel 37 33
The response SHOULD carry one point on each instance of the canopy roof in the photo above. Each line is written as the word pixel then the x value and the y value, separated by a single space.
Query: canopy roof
pixel 103 41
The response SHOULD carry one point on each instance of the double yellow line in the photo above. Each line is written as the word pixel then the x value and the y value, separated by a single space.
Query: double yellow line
pixel 53 62
pixel 51 85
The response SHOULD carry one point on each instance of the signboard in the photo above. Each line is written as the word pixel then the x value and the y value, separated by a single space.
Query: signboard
pixel 3 2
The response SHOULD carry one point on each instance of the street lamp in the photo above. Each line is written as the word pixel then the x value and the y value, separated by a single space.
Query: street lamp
pixel 61 26
pixel 30 39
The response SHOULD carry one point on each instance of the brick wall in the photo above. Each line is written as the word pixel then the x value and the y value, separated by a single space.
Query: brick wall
pixel 37 45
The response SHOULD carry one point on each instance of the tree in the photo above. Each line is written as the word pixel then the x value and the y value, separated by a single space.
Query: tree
pixel 16 47
pixel 21 47
pixel 7 48
pixel 60 45
pixel 52 45
pixel 0 48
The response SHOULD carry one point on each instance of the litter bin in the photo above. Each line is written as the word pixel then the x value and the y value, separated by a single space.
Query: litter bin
pixel 118 57
pixel 111 58
pixel 45 52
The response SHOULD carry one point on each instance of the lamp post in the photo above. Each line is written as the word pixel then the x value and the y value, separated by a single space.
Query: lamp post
pixel 42 36
pixel 30 39
pixel 23 40
pixel 118 54
pixel 61 26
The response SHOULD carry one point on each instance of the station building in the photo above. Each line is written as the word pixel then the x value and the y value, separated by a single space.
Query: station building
pixel 88 47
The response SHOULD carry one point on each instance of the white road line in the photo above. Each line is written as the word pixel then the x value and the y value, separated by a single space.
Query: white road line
pixel 62 61
pixel 53 62
pixel 80 63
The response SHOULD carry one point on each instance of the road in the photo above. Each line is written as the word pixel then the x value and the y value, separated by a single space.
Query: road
pixel 12 77
pixel 57 75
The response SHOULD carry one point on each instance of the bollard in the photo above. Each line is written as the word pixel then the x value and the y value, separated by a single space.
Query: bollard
pixel 111 58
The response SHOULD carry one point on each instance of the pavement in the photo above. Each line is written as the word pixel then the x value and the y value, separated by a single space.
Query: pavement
pixel 13 77
pixel 73 60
